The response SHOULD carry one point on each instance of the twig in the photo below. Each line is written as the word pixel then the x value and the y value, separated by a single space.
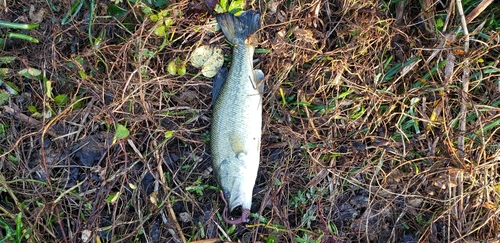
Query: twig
pixel 28 120
pixel 463 109
pixel 465 83
pixel 478 10
pixel 174 220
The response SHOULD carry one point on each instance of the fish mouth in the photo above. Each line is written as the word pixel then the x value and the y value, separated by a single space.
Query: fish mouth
pixel 245 212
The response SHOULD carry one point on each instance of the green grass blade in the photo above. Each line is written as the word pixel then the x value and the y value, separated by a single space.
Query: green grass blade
pixel 22 37
pixel 75 8
pixel 488 127
pixel 18 25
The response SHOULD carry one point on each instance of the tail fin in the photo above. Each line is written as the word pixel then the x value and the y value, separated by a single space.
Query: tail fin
pixel 238 28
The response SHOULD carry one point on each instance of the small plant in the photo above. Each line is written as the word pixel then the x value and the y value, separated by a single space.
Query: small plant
pixel 176 67
pixel 306 238
pixel 234 7
pixel 16 235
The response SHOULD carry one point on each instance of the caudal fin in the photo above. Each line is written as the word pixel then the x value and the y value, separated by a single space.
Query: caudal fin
pixel 238 28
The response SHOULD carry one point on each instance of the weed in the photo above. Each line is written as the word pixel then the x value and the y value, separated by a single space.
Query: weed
pixel 18 234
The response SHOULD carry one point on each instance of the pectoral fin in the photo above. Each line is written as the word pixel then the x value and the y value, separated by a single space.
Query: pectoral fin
pixel 237 145
pixel 259 76
pixel 219 80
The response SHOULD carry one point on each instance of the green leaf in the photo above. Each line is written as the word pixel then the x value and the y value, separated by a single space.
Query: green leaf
pixel 219 9
pixel 236 6
pixel 169 134
pixel 168 22
pixel 147 10
pixel 439 23
pixel 3 131
pixel 172 68
pixel 154 18
pixel 13 158
pixel 160 30
pixel 3 97
pixel 78 104
pixel 121 132
pixel 32 109
pixel 113 197
pixel 82 74
pixel 12 88
pixel 224 4
pixel 489 126
pixel 497 188
pixel 7 59
pixel 4 73
pixel 159 3
pixel 48 89
pixel 132 186
pixel 116 11
pixel 61 99
pixel 31 73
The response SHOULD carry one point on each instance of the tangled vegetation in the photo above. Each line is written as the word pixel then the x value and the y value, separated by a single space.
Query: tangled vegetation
pixel 381 122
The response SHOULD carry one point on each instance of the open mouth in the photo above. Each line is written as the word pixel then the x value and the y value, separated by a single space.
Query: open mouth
pixel 245 212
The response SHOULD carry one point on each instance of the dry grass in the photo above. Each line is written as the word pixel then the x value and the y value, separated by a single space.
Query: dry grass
pixel 375 128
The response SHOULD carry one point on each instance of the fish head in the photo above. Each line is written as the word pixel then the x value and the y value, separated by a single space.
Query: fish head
pixel 237 176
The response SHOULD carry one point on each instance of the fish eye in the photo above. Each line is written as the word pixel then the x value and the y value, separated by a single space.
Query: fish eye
pixel 227 194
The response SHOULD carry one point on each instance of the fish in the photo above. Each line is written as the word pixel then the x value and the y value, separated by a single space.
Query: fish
pixel 236 127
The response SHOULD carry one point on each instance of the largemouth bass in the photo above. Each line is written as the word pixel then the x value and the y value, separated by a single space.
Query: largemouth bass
pixel 237 115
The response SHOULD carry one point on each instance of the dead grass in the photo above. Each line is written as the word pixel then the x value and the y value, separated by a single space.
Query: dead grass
pixel 375 129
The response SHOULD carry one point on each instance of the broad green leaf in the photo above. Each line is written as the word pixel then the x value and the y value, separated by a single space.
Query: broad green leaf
pixel 160 30
pixel 224 4
pixel 121 132
pixel 181 68
pixel 168 22
pixel 116 11
pixel 32 109
pixel 61 99
pixel 236 6
pixel 31 73
pixel 172 68
pixel 219 9
pixel 147 10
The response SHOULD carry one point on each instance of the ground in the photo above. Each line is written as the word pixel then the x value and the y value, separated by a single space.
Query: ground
pixel 380 122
